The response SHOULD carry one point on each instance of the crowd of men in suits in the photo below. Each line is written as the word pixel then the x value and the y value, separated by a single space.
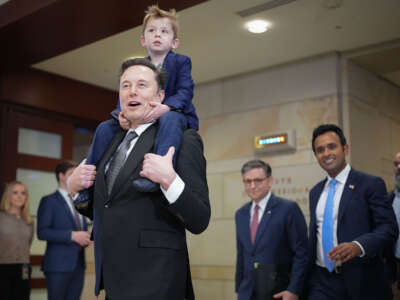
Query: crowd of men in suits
pixel 139 238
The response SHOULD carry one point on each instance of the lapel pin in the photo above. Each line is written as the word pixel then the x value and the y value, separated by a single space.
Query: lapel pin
pixel 351 186
pixel 269 212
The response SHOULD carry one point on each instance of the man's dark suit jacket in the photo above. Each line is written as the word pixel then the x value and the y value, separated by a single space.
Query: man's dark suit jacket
pixel 140 242
pixel 55 223
pixel 281 238
pixel 366 216
pixel 389 257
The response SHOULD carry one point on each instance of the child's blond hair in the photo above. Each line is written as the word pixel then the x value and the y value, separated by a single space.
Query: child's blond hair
pixel 154 11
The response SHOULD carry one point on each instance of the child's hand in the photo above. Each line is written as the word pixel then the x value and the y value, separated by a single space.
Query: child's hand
pixel 157 110
pixel 124 122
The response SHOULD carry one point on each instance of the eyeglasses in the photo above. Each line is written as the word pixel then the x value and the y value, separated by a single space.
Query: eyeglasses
pixel 256 181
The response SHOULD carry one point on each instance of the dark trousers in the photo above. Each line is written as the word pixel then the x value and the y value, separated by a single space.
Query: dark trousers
pixel 324 285
pixel 170 133
pixel 13 286
pixel 65 285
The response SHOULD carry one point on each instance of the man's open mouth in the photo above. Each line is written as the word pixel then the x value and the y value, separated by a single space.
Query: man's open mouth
pixel 133 103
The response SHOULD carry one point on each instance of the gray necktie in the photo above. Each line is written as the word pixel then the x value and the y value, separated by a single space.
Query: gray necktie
pixel 118 160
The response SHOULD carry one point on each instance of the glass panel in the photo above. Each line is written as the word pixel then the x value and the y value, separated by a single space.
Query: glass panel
pixel 39 184
pixel 40 143
pixel 81 143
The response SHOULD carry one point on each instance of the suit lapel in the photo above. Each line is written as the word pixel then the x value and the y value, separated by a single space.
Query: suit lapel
pixel 269 210
pixel 67 210
pixel 347 194
pixel 244 225
pixel 101 174
pixel 314 200
pixel 135 159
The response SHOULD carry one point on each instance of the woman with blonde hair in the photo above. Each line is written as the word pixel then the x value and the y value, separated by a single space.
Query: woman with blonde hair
pixel 16 233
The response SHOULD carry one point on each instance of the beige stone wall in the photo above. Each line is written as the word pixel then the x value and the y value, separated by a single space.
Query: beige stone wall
pixel 296 96
pixel 374 118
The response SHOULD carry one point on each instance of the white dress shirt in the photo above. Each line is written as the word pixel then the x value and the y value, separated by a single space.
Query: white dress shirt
pixel 262 205
pixel 341 181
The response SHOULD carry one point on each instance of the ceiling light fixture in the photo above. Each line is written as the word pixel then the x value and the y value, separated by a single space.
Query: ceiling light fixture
pixel 257 26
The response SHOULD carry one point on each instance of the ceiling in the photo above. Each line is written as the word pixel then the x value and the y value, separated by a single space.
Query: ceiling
pixel 213 35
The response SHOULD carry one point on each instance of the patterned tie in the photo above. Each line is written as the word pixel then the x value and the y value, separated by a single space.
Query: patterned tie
pixel 254 224
pixel 118 160
pixel 75 213
pixel 327 226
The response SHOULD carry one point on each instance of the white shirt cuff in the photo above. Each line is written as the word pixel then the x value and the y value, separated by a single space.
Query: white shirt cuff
pixel 361 247
pixel 175 190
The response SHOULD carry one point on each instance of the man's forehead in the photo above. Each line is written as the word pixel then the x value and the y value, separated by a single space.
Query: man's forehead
pixel 254 172
pixel 327 138
pixel 397 157
pixel 138 72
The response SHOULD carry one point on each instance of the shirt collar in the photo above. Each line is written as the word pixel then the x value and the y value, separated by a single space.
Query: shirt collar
pixel 141 128
pixel 262 203
pixel 342 176
pixel 63 192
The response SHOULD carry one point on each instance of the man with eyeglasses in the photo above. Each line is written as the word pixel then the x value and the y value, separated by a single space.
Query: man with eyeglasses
pixel 271 235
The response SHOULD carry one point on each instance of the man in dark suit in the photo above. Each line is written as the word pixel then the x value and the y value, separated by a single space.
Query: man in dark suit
pixel 140 244
pixel 270 231
pixel 394 255
pixel 351 223
pixel 65 232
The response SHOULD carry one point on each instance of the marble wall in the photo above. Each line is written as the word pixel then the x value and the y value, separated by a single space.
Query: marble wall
pixel 374 118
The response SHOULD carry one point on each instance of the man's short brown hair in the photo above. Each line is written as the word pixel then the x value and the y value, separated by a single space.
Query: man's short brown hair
pixel 154 11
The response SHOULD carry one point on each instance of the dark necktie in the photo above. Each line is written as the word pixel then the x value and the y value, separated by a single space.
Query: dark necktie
pixel 254 224
pixel 118 160
pixel 75 213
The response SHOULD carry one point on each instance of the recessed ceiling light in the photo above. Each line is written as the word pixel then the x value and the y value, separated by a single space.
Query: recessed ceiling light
pixel 257 26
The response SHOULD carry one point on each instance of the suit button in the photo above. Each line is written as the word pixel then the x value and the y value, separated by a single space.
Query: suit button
pixel 106 206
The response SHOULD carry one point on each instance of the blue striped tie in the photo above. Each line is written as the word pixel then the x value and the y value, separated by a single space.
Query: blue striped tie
pixel 327 226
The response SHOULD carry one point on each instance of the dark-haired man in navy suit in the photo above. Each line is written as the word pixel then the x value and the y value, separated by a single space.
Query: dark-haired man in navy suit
pixel 269 231
pixel 66 234
pixel 351 223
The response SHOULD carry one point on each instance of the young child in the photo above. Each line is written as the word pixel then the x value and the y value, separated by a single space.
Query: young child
pixel 176 113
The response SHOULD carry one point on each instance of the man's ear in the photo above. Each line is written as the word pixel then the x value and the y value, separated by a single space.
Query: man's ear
pixel 175 43
pixel 160 96
pixel 346 149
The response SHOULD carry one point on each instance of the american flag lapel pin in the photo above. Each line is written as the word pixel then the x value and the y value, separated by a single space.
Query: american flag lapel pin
pixel 351 186
pixel 269 212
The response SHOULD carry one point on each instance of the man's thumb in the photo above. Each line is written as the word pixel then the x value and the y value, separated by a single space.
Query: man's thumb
pixel 170 153
pixel 83 162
